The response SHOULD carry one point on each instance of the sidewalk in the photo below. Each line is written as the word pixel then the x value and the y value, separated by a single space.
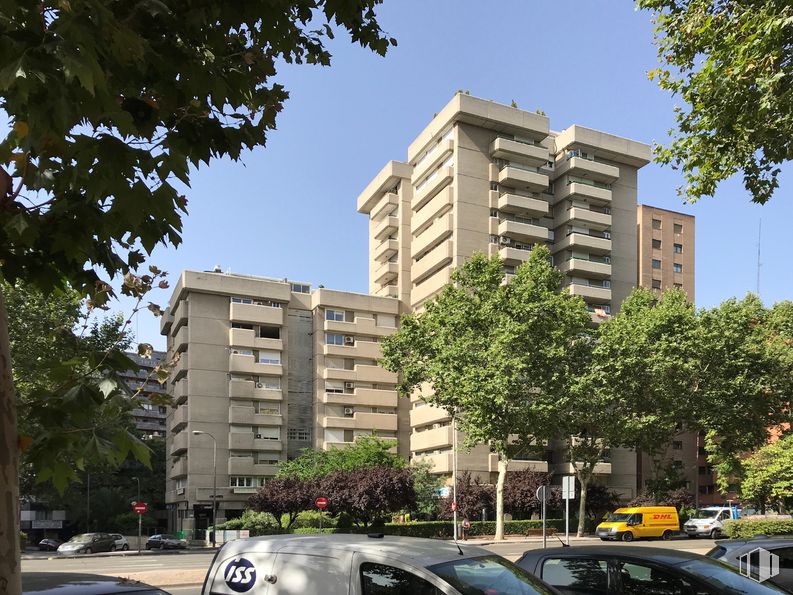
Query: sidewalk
pixel 38 555
pixel 550 539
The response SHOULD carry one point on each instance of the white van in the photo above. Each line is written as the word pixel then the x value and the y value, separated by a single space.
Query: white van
pixel 709 521
pixel 362 565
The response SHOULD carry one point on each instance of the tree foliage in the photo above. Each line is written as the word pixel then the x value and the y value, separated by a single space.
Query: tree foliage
pixel 491 353
pixel 768 475
pixel 520 493
pixel 284 497
pixel 473 496
pixel 732 65
pixel 426 485
pixel 600 500
pixel 366 452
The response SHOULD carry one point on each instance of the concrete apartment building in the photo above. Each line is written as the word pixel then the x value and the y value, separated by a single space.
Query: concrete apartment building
pixel 666 249
pixel 486 177
pixel 149 417
pixel 268 367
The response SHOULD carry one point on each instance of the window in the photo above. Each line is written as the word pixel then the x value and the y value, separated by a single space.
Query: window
pixel 494 212
pixel 656 284
pixel 677 464
pixel 656 263
pixel 677 267
pixel 348 436
pixel 300 287
pixel 580 574
pixel 269 332
pixel 679 285
pixel 656 244
pixel 387 320
pixel 638 578
pixel 656 224
pixel 678 248
pixel 476 576
pixel 334 386
pixel 493 239
pixel 241 325
pixel 301 434
pixel 379 579
pixel 677 445
pixel 678 228
pixel 273 383
pixel 241 300
pixel 267 408
pixel 334 339
pixel 270 357
pixel 494 186
pixel 267 433
pixel 181 483
pixel 337 315
pixel 236 481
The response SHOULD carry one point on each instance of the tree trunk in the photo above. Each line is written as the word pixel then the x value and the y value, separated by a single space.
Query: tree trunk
pixel 583 479
pixel 502 476
pixel 10 556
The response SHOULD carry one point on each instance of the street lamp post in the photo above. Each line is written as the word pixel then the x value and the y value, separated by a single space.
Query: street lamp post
pixel 214 476
pixel 140 516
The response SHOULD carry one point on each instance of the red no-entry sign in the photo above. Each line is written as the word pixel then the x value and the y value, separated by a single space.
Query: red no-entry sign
pixel 139 507
pixel 321 503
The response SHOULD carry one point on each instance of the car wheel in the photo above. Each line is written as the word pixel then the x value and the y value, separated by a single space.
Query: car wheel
pixel 113 548
pixel 148 547
pixel 88 550
pixel 714 534
pixel 627 536
pixel 125 547
pixel 667 535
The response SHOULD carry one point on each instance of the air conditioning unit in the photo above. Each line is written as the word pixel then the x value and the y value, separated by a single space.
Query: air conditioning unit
pixel 505 240
pixel 349 340
pixel 259 385
pixel 348 411
pixel 349 385
pixel 258 436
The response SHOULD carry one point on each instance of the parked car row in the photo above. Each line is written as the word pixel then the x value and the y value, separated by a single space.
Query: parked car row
pixel 88 543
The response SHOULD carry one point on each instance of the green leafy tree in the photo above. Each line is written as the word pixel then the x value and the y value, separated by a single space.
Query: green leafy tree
pixel 109 104
pixel 491 352
pixel 366 452
pixel 732 65
pixel 768 475
pixel 426 484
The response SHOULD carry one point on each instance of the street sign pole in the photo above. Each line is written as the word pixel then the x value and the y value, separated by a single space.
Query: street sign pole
pixel 321 503
pixel 542 496
pixel 567 521
pixel 568 493
pixel 140 527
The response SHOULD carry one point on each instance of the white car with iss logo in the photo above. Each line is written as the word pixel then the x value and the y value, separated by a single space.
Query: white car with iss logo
pixel 362 565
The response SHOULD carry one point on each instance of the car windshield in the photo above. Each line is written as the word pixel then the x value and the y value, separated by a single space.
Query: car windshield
pixel 491 575
pixel 618 518
pixel 84 538
pixel 726 578
pixel 704 514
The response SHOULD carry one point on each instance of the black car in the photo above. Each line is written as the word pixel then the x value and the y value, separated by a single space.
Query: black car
pixel 165 542
pixel 635 570
pixel 731 551
pixel 69 583
pixel 49 545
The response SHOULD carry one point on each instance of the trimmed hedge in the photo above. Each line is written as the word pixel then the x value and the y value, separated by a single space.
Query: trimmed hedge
pixel 747 528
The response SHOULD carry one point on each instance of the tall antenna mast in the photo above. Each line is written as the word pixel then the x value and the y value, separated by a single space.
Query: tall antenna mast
pixel 759 236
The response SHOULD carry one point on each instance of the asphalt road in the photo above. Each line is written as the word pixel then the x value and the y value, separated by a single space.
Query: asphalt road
pixel 192 563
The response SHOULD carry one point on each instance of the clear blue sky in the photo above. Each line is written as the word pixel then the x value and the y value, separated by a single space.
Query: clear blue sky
pixel 289 210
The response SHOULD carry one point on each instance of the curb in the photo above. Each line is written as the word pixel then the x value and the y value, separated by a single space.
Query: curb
pixel 121 554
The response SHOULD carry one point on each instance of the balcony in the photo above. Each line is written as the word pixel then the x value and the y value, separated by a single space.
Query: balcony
pixel 516 176
pixel 431 439
pixel 583 191
pixel 385 250
pixel 179 370
pixel 256 314
pixel 518 152
pixel 432 186
pixel 375 375
pixel 386 272
pixel 242 337
pixel 179 468
pixel 586 168
pixel 524 232
pixel 517 465
pixel 248 441
pixel 567 468
pixel 388 226
pixel 181 338
pixel 179 391
pixel 386 422
pixel 598 318
pixel 180 313
pixel 178 442
pixel 435 259
pixel 367 397
pixel 360 326
pixel 514 203
pixel 584 267
pixel 427 414
pixel 587 217
pixel 590 292
pixel 513 256
pixel 246 364
pixel 429 211
pixel 246 416
pixel 440 229
pixel 421 293
pixel 387 205
pixel 387 291
pixel 179 418
pixel 361 349
pixel 245 466
pixel 585 243
pixel 437 155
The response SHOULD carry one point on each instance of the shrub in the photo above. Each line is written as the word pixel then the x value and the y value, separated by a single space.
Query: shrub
pixel 23 539
pixel 747 528
pixel 258 523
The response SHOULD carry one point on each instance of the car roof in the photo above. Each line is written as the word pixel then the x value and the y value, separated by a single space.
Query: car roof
pixel 661 555
pixel 732 545
pixel 413 550
pixel 70 583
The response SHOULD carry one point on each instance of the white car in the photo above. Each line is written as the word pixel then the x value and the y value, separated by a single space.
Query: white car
pixel 121 541
pixel 363 565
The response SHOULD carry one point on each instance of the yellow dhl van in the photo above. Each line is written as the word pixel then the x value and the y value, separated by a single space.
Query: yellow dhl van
pixel 628 524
